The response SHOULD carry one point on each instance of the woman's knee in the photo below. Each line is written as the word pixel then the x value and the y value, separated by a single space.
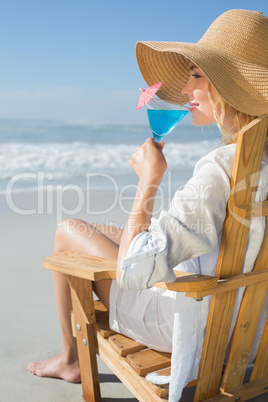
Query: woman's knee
pixel 67 229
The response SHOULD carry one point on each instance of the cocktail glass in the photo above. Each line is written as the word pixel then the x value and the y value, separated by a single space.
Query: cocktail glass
pixel 164 116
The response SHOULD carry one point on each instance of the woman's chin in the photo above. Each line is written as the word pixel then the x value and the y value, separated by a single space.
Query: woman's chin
pixel 199 121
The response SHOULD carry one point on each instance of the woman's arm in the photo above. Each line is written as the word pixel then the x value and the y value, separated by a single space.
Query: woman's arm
pixel 190 228
pixel 150 165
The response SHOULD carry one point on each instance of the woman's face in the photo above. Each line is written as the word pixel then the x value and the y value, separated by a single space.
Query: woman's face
pixel 197 90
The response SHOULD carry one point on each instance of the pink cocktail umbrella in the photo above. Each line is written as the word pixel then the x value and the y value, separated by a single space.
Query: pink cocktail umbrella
pixel 147 95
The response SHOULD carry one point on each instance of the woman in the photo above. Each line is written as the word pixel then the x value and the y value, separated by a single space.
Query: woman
pixel 225 78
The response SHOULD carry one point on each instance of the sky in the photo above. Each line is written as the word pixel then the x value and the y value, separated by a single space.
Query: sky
pixel 74 60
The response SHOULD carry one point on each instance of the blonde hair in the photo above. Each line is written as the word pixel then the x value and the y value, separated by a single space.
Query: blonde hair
pixel 220 109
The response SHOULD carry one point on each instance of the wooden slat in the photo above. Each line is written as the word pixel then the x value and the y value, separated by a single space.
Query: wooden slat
pixel 215 340
pixel 252 210
pixel 246 325
pixel 81 289
pixel 244 181
pixel 187 282
pixel 165 371
pixel 85 336
pixel 136 384
pixel 191 384
pixel 260 369
pixel 242 393
pixel 160 391
pixel 102 325
pixel 243 337
pixel 124 345
pixel 261 364
pixel 232 283
pixel 81 265
pixel 102 320
pixel 99 307
pixel 163 390
pixel 148 361
pixel 230 260
pixel 262 258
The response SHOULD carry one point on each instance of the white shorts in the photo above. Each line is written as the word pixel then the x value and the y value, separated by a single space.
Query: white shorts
pixel 146 316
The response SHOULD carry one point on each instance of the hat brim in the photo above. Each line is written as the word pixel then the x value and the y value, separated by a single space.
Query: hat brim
pixel 168 62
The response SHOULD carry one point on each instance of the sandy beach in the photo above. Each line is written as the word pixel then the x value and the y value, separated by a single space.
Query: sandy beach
pixel 30 329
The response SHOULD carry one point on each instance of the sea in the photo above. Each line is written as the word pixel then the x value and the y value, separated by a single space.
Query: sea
pixel 39 153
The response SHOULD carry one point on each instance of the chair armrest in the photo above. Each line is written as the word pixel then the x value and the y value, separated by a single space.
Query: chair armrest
pixel 189 282
pixel 232 283
pixel 81 265
pixel 96 268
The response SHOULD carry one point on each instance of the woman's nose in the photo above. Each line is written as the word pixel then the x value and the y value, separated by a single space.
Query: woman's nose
pixel 186 90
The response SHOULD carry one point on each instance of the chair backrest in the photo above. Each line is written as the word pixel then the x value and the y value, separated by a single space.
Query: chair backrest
pixel 241 208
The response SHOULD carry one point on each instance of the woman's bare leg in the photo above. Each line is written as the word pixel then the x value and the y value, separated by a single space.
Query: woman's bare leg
pixel 95 239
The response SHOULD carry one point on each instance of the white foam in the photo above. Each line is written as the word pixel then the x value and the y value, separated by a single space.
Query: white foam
pixel 76 159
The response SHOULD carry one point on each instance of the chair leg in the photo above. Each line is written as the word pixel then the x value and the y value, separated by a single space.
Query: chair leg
pixel 84 319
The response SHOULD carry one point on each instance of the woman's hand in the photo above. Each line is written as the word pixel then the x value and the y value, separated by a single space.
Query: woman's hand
pixel 149 162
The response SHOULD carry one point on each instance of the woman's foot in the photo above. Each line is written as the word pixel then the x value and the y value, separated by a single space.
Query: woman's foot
pixel 56 367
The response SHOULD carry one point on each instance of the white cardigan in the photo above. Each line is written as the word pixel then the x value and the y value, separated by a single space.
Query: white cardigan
pixel 187 237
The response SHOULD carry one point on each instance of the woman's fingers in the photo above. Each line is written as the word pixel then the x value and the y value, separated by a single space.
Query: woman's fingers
pixel 135 154
pixel 160 145
pixel 147 149
pixel 148 161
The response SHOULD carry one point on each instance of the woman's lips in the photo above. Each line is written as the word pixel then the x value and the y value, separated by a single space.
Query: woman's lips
pixel 193 106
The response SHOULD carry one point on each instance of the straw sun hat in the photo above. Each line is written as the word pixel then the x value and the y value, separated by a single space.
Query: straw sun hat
pixel 233 54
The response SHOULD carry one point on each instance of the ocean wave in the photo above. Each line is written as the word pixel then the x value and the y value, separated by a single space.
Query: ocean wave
pixel 76 159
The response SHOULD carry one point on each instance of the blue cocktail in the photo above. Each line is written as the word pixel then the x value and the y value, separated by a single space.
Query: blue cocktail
pixel 164 116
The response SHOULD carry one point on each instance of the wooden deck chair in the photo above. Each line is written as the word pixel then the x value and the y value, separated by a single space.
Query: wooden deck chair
pixel 131 361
